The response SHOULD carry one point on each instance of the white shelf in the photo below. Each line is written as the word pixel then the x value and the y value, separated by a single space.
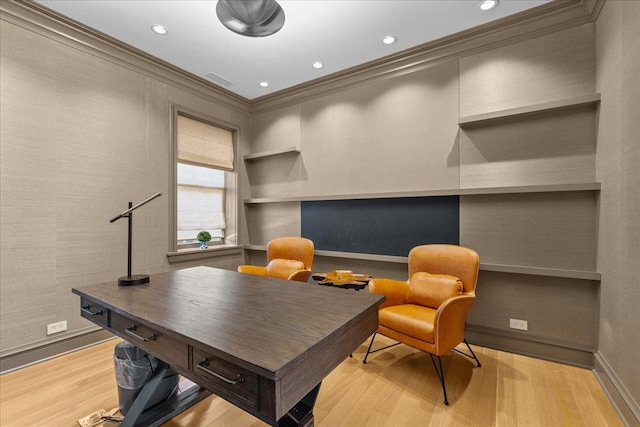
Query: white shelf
pixel 348 255
pixel 530 110
pixel 586 186
pixel 516 269
pixel 264 154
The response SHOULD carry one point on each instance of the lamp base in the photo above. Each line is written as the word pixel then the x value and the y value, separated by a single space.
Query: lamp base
pixel 134 279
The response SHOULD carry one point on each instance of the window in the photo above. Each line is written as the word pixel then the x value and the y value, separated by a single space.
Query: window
pixel 201 203
pixel 204 181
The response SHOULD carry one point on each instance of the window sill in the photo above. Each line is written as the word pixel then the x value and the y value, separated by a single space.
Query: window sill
pixel 197 253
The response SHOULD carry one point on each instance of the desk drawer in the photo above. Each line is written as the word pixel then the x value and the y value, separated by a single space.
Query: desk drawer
pixel 94 312
pixel 164 347
pixel 229 381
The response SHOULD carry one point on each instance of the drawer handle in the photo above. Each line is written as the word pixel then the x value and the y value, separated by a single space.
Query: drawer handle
pixel 203 366
pixel 87 310
pixel 132 331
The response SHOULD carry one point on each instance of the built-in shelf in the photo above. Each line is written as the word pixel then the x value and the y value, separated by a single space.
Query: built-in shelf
pixel 336 254
pixel 530 110
pixel 540 271
pixel 475 120
pixel 586 186
pixel 263 154
pixel 516 269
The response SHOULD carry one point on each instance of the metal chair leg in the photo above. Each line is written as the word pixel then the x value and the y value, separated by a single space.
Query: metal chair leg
pixel 438 368
pixel 369 349
pixel 470 356
pixel 440 373
pixel 472 353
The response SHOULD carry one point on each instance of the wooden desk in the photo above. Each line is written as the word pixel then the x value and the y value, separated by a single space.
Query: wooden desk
pixel 263 344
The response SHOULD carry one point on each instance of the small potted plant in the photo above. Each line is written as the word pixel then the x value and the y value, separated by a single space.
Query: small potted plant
pixel 203 237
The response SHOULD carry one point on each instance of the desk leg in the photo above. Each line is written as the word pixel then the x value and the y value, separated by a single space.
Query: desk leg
pixel 137 416
pixel 301 415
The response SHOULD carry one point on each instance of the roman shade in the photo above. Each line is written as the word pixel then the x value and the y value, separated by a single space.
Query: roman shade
pixel 205 145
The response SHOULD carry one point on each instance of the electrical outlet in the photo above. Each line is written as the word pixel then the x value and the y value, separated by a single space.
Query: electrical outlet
pixel 518 324
pixel 54 328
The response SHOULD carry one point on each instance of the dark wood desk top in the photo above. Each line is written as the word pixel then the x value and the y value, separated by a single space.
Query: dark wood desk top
pixel 273 327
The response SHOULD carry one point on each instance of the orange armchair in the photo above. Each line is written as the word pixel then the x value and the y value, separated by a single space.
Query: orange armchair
pixel 287 258
pixel 429 311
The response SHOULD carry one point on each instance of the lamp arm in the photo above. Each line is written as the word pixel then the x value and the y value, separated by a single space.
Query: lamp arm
pixel 128 211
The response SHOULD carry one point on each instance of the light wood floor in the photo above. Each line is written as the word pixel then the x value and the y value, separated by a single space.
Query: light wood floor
pixel 397 387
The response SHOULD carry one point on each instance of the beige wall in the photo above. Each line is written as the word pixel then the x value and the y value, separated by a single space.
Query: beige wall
pixel 81 136
pixel 618 168
pixel 389 135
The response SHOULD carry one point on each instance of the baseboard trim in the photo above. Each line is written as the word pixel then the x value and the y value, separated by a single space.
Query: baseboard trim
pixel 625 405
pixel 32 356
pixel 532 346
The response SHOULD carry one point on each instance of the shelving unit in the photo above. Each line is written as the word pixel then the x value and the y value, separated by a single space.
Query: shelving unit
pixel 488 119
pixel 271 153
pixel 494 122
pixel 529 110
pixel 586 186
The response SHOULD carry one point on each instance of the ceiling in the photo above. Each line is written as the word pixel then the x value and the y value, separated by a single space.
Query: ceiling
pixel 339 33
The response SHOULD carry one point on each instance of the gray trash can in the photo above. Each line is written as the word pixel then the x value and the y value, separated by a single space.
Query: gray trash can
pixel 133 368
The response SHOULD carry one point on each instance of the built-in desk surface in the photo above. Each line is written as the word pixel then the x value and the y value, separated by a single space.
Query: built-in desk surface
pixel 281 337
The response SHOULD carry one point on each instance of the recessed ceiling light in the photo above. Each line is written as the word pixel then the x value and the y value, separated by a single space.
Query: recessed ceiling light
pixel 317 65
pixel 264 84
pixel 389 40
pixel 159 29
pixel 488 4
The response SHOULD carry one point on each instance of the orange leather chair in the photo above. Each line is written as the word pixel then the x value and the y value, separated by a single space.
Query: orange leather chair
pixel 429 311
pixel 287 258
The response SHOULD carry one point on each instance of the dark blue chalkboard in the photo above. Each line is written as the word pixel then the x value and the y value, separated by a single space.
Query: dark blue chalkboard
pixel 381 226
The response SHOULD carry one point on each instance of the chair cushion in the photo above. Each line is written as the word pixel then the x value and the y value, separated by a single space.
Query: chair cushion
pixel 409 319
pixel 283 268
pixel 431 290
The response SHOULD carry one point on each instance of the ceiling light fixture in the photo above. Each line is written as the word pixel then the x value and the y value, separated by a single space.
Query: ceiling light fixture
pixel 256 18
pixel 389 40
pixel 264 84
pixel 488 4
pixel 317 65
pixel 159 29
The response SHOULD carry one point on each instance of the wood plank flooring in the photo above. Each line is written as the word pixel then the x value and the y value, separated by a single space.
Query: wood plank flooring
pixel 397 387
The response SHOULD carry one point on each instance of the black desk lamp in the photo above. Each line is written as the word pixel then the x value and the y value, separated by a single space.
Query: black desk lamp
pixel 129 279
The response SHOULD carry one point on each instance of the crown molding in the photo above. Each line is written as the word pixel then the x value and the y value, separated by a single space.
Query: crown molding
pixel 48 23
pixel 595 6
pixel 549 18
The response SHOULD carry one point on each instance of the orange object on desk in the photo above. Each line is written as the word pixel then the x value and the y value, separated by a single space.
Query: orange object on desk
pixel 341 278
